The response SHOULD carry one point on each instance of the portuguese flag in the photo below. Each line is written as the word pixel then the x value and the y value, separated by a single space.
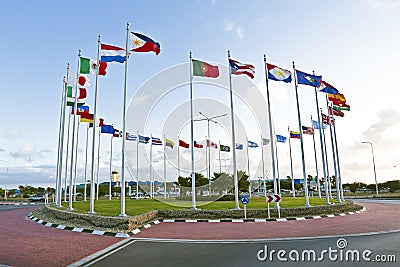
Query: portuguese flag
pixel 204 69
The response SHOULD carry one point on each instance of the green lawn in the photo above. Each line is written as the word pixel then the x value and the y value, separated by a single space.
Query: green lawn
pixel 135 207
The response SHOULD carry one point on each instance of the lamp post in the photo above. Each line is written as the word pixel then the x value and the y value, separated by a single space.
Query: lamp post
pixel 373 161
pixel 5 189
pixel 208 119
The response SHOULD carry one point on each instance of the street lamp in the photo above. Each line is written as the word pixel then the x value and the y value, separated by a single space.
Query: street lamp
pixel 208 119
pixel 5 189
pixel 373 161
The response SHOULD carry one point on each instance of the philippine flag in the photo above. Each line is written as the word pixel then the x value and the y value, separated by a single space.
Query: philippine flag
pixel 110 53
pixel 278 74
pixel 238 68
pixel 141 43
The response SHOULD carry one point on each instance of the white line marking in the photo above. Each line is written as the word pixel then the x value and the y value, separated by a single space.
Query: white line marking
pixel 147 226
pixel 317 217
pixel 61 227
pixel 260 220
pixel 136 231
pixel 48 224
pixel 301 219
pixel 77 230
pixel 97 232
pixel 156 222
pixel 214 221
pixel 169 221
pixel 122 235
pixel 281 220
pixel 190 221
pixel 330 215
pixel 237 220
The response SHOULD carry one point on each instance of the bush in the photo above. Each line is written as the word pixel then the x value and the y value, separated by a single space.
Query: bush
pixel 226 198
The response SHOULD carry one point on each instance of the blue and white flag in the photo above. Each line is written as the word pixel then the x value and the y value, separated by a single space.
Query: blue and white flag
pixel 239 146
pixel 281 138
pixel 316 125
pixel 144 139
pixel 308 79
pixel 156 141
pixel 252 144
pixel 131 137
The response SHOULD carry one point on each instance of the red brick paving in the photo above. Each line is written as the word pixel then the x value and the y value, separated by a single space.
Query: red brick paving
pixel 377 217
pixel 24 242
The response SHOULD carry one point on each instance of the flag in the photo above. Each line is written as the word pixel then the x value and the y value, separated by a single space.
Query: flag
pixel 327 120
pixel 327 88
pixel 83 80
pixel 252 144
pixel 308 79
pixel 81 110
pixel 307 130
pixel 224 148
pixel 144 139
pixel 169 143
pixel 117 133
pixel 211 144
pixel 342 107
pixel 107 129
pixel 239 146
pixel 130 137
pixel 281 138
pixel 141 43
pixel 156 141
pixel 81 92
pixel 293 134
pixel 101 122
pixel 265 141
pixel 278 74
pixel 204 69
pixel 238 68
pixel 338 96
pixel 110 53
pixel 335 112
pixel 316 125
pixel 102 68
pixel 197 145
pixel 183 144
pixel 87 66
pixel 71 101
pixel 87 118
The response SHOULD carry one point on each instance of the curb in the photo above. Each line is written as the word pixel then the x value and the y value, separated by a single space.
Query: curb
pixel 146 226
pixel 20 204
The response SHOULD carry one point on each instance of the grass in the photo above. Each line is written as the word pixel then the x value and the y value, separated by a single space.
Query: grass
pixel 135 207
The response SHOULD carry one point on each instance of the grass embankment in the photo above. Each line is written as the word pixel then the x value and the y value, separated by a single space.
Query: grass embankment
pixel 135 207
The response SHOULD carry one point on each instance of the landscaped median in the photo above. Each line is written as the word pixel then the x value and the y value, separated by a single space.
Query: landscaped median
pixel 144 211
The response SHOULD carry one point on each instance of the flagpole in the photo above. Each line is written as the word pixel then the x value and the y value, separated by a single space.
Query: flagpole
pixel 151 162
pixel 291 164
pixel 208 177
pixel 328 180
pixel 95 124
pixel 191 136
pixel 316 161
pixel 219 155
pixel 333 150
pixel 111 151
pixel 73 135
pixel 270 127
pixel 137 165
pixel 179 168
pixel 248 158
pixel 338 163
pixel 124 125
pixel 307 204
pixel 235 178
pixel 66 159
pixel 277 170
pixel 98 167
pixel 263 168
pixel 76 157
pixel 86 160
pixel 59 157
pixel 165 172
pixel 324 167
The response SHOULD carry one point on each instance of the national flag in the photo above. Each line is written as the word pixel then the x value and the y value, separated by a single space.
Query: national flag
pixel 183 144
pixel 327 88
pixel 110 53
pixel 102 68
pixel 346 107
pixel 142 43
pixel 71 101
pixel 87 117
pixel 109 129
pixel 316 125
pixel 293 134
pixel 130 137
pixel 101 122
pixel 169 143
pixel 239 146
pixel 197 145
pixel 343 105
pixel 81 92
pixel 238 68
pixel 211 144
pixel 278 74
pixel 201 68
pixel 144 139
pixel 265 141
pixel 338 96
pixel 117 133
pixel 307 130
pixel 252 144
pixel 87 66
pixel 84 81
pixel 224 148
pixel 335 112
pixel 156 141
pixel 80 110
pixel 281 138
pixel 327 119
pixel 308 79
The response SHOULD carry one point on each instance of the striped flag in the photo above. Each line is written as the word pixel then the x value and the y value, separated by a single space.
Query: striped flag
pixel 307 130
pixel 156 141
pixel 238 68
pixel 169 143
pixel 131 137
pixel 295 135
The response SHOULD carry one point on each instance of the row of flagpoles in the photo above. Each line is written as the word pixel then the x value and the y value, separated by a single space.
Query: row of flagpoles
pixel 335 102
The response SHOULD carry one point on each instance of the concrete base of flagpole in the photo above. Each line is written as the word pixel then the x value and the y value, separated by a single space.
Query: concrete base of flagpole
pixel 93 212
pixel 194 208
pixel 122 215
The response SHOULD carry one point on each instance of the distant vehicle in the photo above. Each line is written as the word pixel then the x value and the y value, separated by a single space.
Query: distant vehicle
pixel 37 198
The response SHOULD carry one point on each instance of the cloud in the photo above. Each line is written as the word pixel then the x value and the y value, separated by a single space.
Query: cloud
pixel 28 152
pixel 230 26
pixel 13 133
pixel 383 7
pixel 240 31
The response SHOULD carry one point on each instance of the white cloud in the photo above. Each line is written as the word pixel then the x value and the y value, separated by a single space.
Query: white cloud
pixel 231 26
pixel 240 31
pixel 228 25
pixel 12 133
pixel 383 7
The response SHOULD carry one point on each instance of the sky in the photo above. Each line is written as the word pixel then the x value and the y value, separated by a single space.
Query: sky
pixel 352 44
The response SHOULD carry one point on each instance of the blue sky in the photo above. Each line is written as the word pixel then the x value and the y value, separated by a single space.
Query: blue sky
pixel 353 44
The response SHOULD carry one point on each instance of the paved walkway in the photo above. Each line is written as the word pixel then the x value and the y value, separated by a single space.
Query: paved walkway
pixel 377 217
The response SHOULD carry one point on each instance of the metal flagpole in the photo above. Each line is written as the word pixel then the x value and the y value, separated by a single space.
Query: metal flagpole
pixel 179 167
pixel 331 119
pixel 219 155
pixel 235 178
pixel 248 158
pixel 307 204
pixel 165 171
pixel 270 127
pixel 291 165
pixel 76 158
pixel 151 162
pixel 316 161
pixel 137 165
pixel 263 168
pixel 324 167
pixel 277 169
pixel 338 163
pixel 328 180
pixel 191 136
pixel 208 177
pixel 124 125
pixel 86 159
pixel 111 152
pixel 66 159
pixel 98 167
pixel 95 124
pixel 73 134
